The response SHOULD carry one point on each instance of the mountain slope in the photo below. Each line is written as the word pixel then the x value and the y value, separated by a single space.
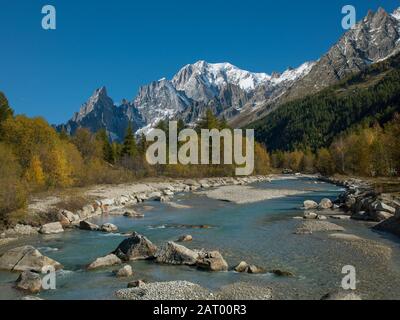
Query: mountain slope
pixel 314 121
pixel 100 112
pixel 371 40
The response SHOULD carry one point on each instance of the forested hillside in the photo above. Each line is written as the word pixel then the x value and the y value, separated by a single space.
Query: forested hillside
pixel 371 96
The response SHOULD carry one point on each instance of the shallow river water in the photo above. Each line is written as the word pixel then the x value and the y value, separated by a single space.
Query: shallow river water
pixel 259 233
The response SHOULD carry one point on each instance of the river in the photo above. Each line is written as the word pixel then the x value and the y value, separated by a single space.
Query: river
pixel 260 233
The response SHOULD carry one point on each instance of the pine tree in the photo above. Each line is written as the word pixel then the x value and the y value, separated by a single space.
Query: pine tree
pixel 108 151
pixel 209 121
pixel 129 147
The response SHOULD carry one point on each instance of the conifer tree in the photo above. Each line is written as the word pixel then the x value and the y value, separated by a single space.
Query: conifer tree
pixel 129 147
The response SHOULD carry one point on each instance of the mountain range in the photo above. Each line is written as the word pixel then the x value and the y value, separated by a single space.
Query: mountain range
pixel 240 96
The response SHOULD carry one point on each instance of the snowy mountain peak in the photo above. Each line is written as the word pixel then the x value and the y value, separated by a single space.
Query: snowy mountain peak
pixel 99 97
pixel 396 14
pixel 216 75
pixel 292 74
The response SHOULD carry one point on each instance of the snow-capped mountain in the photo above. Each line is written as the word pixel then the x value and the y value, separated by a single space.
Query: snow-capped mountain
pixel 238 95
pixel 220 86
pixel 373 39
pixel 100 112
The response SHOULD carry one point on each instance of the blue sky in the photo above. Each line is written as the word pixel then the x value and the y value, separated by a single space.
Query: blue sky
pixel 123 44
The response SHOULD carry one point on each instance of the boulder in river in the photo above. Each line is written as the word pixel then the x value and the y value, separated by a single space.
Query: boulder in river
pixel 26 258
pixel 281 273
pixel 109 227
pixel 51 228
pixel 70 216
pixel 212 261
pixel 107 261
pixel 325 204
pixel 133 214
pixel 381 206
pixel 185 238
pixel 172 253
pixel 136 284
pixel 124 272
pixel 309 205
pixel 29 281
pixel 244 267
pixel 310 215
pixel 136 247
pixel 86 225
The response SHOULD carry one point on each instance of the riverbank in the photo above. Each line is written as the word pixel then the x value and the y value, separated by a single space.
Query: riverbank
pixel 372 200
pixel 71 207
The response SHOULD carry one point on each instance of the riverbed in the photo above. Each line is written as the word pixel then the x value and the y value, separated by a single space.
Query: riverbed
pixel 260 233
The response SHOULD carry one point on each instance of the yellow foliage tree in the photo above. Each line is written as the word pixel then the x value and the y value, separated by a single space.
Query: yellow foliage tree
pixel 34 174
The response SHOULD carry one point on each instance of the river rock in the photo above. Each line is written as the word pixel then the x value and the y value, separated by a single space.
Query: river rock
pixel 168 193
pixel 107 261
pixel 22 230
pixel 65 223
pixel 29 281
pixel 381 206
pixel 310 215
pixel 185 238
pixel 70 216
pixel 340 217
pixel 86 212
pixel 163 199
pixel 136 284
pixel 52 228
pixel 212 261
pixel 325 204
pixel 124 272
pixel 309 205
pixel 133 214
pixel 172 253
pixel 253 269
pixel 137 247
pixel 379 216
pixel 156 195
pixel 242 267
pixel 109 227
pixel 281 273
pixel 86 225
pixel 26 258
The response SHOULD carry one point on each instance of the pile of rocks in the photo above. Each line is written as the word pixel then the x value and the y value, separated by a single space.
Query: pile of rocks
pixel 363 203
pixel 31 263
